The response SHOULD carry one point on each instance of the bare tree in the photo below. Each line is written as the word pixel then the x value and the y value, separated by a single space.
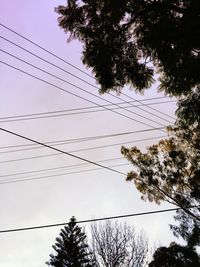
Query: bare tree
pixel 117 245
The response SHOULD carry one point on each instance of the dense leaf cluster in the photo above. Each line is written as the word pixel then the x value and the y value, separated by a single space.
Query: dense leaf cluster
pixel 125 41
pixel 170 170
pixel 175 256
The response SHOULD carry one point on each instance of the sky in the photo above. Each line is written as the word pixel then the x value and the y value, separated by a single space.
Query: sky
pixel 41 98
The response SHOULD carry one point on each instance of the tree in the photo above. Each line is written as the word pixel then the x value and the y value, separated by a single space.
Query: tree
pixel 117 245
pixel 175 256
pixel 124 42
pixel 170 170
pixel 188 229
pixel 71 248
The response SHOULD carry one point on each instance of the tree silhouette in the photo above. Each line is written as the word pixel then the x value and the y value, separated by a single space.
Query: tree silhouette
pixel 71 248
pixel 125 41
pixel 175 256
pixel 170 170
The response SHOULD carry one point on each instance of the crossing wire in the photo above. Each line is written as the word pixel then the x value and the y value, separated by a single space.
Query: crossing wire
pixel 68 112
pixel 44 49
pixel 83 98
pixel 80 150
pixel 72 65
pixel 25 179
pixel 59 150
pixel 77 77
pixel 78 87
pixel 85 139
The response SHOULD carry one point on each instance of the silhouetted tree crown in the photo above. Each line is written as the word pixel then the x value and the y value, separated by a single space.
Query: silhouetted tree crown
pixel 175 256
pixel 71 248
pixel 170 170
pixel 124 42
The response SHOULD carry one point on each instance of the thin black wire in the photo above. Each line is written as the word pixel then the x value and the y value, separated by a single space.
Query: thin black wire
pixel 60 151
pixel 85 91
pixel 80 150
pixel 35 116
pixel 84 139
pixel 56 168
pixel 25 179
pixel 75 165
pixel 83 80
pixel 143 104
pixel 66 91
pixel 86 149
pixel 90 220
pixel 44 49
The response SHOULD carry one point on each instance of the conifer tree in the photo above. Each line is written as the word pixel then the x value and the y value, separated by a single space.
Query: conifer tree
pixel 71 248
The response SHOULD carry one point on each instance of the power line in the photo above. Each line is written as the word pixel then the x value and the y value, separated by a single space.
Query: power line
pixel 90 220
pixel 143 104
pixel 60 151
pixel 56 168
pixel 76 111
pixel 79 150
pixel 66 91
pixel 77 77
pixel 25 179
pixel 44 49
pixel 85 139
pixel 89 148
pixel 78 87
pixel 77 165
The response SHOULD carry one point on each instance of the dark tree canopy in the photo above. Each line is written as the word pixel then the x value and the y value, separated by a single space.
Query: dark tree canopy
pixel 175 256
pixel 170 170
pixel 71 248
pixel 188 228
pixel 125 42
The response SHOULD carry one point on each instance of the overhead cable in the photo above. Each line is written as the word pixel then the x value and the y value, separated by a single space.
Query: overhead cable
pixel 72 65
pixel 60 151
pixel 68 112
pixel 89 220
pixel 83 98
pixel 88 92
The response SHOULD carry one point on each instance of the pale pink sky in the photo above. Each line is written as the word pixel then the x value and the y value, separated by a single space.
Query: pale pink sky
pixel 84 195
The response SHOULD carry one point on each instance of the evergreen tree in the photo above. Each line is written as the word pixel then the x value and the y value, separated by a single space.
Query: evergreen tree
pixel 71 248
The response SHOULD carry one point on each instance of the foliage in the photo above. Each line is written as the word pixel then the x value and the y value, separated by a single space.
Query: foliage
pixel 175 256
pixel 170 170
pixel 125 41
pixel 118 245
pixel 71 248
pixel 188 229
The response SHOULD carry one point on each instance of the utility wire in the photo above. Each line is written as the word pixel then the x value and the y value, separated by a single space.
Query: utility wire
pixel 60 151
pixel 77 77
pixel 60 113
pixel 154 109
pixel 83 98
pixel 86 149
pixel 80 150
pixel 85 91
pixel 56 168
pixel 84 139
pixel 44 49
pixel 25 179
pixel 74 165
pixel 68 64
pixel 90 220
